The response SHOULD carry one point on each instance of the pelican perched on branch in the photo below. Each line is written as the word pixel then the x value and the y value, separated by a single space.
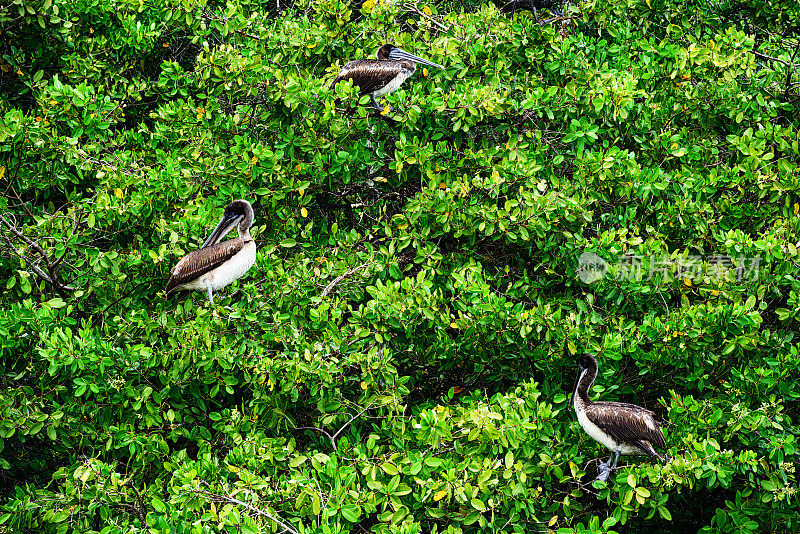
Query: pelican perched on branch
pixel 622 428
pixel 215 265
pixel 377 77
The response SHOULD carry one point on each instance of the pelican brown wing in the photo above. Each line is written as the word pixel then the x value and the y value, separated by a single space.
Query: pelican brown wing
pixel 369 75
pixel 197 263
pixel 628 423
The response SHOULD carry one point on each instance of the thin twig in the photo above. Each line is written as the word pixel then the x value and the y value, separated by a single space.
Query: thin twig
pixel 416 10
pixel 234 500
pixel 140 510
pixel 336 435
pixel 341 277
pixel 51 276
pixel 779 60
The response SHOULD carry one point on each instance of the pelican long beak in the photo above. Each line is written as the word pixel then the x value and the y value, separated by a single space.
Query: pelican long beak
pixel 398 54
pixel 224 226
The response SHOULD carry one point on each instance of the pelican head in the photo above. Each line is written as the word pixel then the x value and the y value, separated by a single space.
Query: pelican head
pixel 237 212
pixel 392 53
pixel 586 361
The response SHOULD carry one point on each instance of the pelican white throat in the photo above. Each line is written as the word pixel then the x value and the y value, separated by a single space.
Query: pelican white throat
pixel 215 265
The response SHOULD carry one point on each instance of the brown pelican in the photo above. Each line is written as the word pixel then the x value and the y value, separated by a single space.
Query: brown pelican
pixel 377 77
pixel 215 265
pixel 622 428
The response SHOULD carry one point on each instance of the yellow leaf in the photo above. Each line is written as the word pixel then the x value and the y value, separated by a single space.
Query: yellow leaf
pixel 453 325
pixel 2 171
pixel 796 208
pixel 552 521
pixel 363 385
pixel 648 4
pixel 118 192
pixel 368 5
pixel 53 102
pixel 19 72
pixel 385 110
pixel 439 495
pixel 442 185
pixel 165 45
pixel 91 30
pixel 299 167
pixel 213 509
pixel 301 192
pixel 424 71
pixel 402 226
pixel 687 282
pixel 254 160
pixel 427 11
pixel 304 212
pixel 715 292
pixel 312 45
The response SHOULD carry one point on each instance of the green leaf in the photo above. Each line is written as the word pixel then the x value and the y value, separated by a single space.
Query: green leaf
pixel 478 505
pixel 351 512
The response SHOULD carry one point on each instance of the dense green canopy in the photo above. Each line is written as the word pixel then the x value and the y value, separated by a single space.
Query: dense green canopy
pixel 623 180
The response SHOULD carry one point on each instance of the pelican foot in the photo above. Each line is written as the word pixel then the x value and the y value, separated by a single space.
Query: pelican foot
pixel 603 471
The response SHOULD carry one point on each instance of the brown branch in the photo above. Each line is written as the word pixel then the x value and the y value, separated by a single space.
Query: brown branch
pixel 141 508
pixel 415 9
pixel 338 432
pixel 765 56
pixel 341 277
pixel 51 276
pixel 233 500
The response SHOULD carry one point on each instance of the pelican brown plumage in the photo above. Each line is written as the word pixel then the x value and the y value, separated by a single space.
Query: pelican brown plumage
pixel 215 265
pixel 623 428
pixel 377 77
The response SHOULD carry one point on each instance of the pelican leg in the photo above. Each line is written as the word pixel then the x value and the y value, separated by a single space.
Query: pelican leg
pixel 210 294
pixel 616 459
pixel 605 468
pixel 602 472
pixel 375 102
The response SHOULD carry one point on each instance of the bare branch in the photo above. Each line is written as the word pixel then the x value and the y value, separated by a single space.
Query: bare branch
pixel 341 277
pixel 359 414
pixel 415 9
pixel 227 498
pixel 338 432
pixel 51 276
pixel 779 60
pixel 140 510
